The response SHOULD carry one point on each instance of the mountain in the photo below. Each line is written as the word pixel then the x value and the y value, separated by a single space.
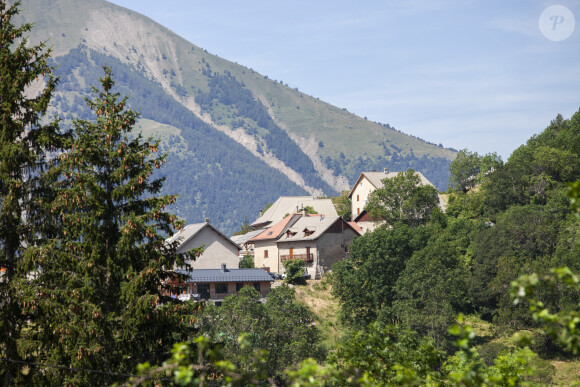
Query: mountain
pixel 236 139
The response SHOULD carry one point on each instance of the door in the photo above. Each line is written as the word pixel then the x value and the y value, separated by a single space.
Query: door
pixel 291 253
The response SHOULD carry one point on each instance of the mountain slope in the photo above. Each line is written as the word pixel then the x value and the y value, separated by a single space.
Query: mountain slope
pixel 314 146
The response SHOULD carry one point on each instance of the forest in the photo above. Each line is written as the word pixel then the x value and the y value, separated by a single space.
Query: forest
pixel 85 266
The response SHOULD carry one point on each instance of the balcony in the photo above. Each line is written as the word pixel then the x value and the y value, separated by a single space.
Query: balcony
pixel 304 257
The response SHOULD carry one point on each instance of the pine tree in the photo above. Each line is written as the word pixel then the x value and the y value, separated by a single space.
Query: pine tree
pixel 101 304
pixel 24 143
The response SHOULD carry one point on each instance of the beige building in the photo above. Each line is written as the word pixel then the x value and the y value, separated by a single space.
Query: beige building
pixel 218 249
pixel 319 241
pixel 265 246
pixel 365 184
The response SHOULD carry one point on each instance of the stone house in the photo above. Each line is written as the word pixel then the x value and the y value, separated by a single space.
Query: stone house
pixel 318 240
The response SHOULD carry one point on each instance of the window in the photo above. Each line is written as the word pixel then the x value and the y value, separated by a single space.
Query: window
pixel 203 291
pixel 358 211
pixel 239 286
pixel 221 287
pixel 265 253
pixel 257 286
pixel 357 198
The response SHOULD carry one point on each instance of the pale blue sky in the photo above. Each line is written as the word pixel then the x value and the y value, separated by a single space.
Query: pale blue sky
pixel 474 74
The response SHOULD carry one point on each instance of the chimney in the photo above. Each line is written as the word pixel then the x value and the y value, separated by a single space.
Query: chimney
pixel 304 212
pixel 386 170
pixel 207 220
pixel 261 213
pixel 224 268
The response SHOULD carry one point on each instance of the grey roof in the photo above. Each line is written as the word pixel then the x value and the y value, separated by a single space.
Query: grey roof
pixel 230 275
pixel 291 204
pixel 315 224
pixel 191 230
pixel 241 239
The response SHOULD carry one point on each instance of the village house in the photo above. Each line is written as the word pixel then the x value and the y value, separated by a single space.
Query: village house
pixel 318 240
pixel 286 205
pixel 217 284
pixel 362 188
pixel 265 246
pixel 218 249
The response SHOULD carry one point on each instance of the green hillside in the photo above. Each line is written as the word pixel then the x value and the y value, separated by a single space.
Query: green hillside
pixel 208 170
pixel 313 146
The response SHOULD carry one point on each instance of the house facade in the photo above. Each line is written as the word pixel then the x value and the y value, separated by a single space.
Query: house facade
pixel 218 248
pixel 318 241
pixel 265 245
pixel 217 284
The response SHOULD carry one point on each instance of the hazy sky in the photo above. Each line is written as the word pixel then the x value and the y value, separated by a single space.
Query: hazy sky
pixel 476 74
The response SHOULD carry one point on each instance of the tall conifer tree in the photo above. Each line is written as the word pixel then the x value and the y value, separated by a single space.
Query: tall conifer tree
pixel 24 142
pixel 101 304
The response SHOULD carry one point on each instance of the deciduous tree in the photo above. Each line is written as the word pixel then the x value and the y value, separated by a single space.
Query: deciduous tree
pixel 403 199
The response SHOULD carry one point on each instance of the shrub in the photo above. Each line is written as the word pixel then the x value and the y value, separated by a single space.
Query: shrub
pixel 294 271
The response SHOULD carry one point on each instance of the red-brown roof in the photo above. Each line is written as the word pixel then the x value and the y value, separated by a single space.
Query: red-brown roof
pixel 276 230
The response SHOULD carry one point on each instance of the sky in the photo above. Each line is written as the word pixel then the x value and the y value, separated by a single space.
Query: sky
pixel 484 75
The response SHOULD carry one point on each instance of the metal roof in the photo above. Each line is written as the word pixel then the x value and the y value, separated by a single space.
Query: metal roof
pixel 229 275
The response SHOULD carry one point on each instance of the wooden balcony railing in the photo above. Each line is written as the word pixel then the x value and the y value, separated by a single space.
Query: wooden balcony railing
pixel 304 257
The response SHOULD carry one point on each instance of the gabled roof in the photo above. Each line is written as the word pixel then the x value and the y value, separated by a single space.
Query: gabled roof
pixel 241 239
pixel 291 204
pixel 191 230
pixel 276 230
pixel 229 275
pixel 317 225
pixel 356 227
pixel 375 178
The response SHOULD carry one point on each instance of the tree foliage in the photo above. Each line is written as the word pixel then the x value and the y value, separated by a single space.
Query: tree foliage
pixel 247 262
pixel 281 326
pixel 469 169
pixel 403 199
pixel 97 300
pixel 25 146
pixel 364 281
pixel 294 269
pixel 343 205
